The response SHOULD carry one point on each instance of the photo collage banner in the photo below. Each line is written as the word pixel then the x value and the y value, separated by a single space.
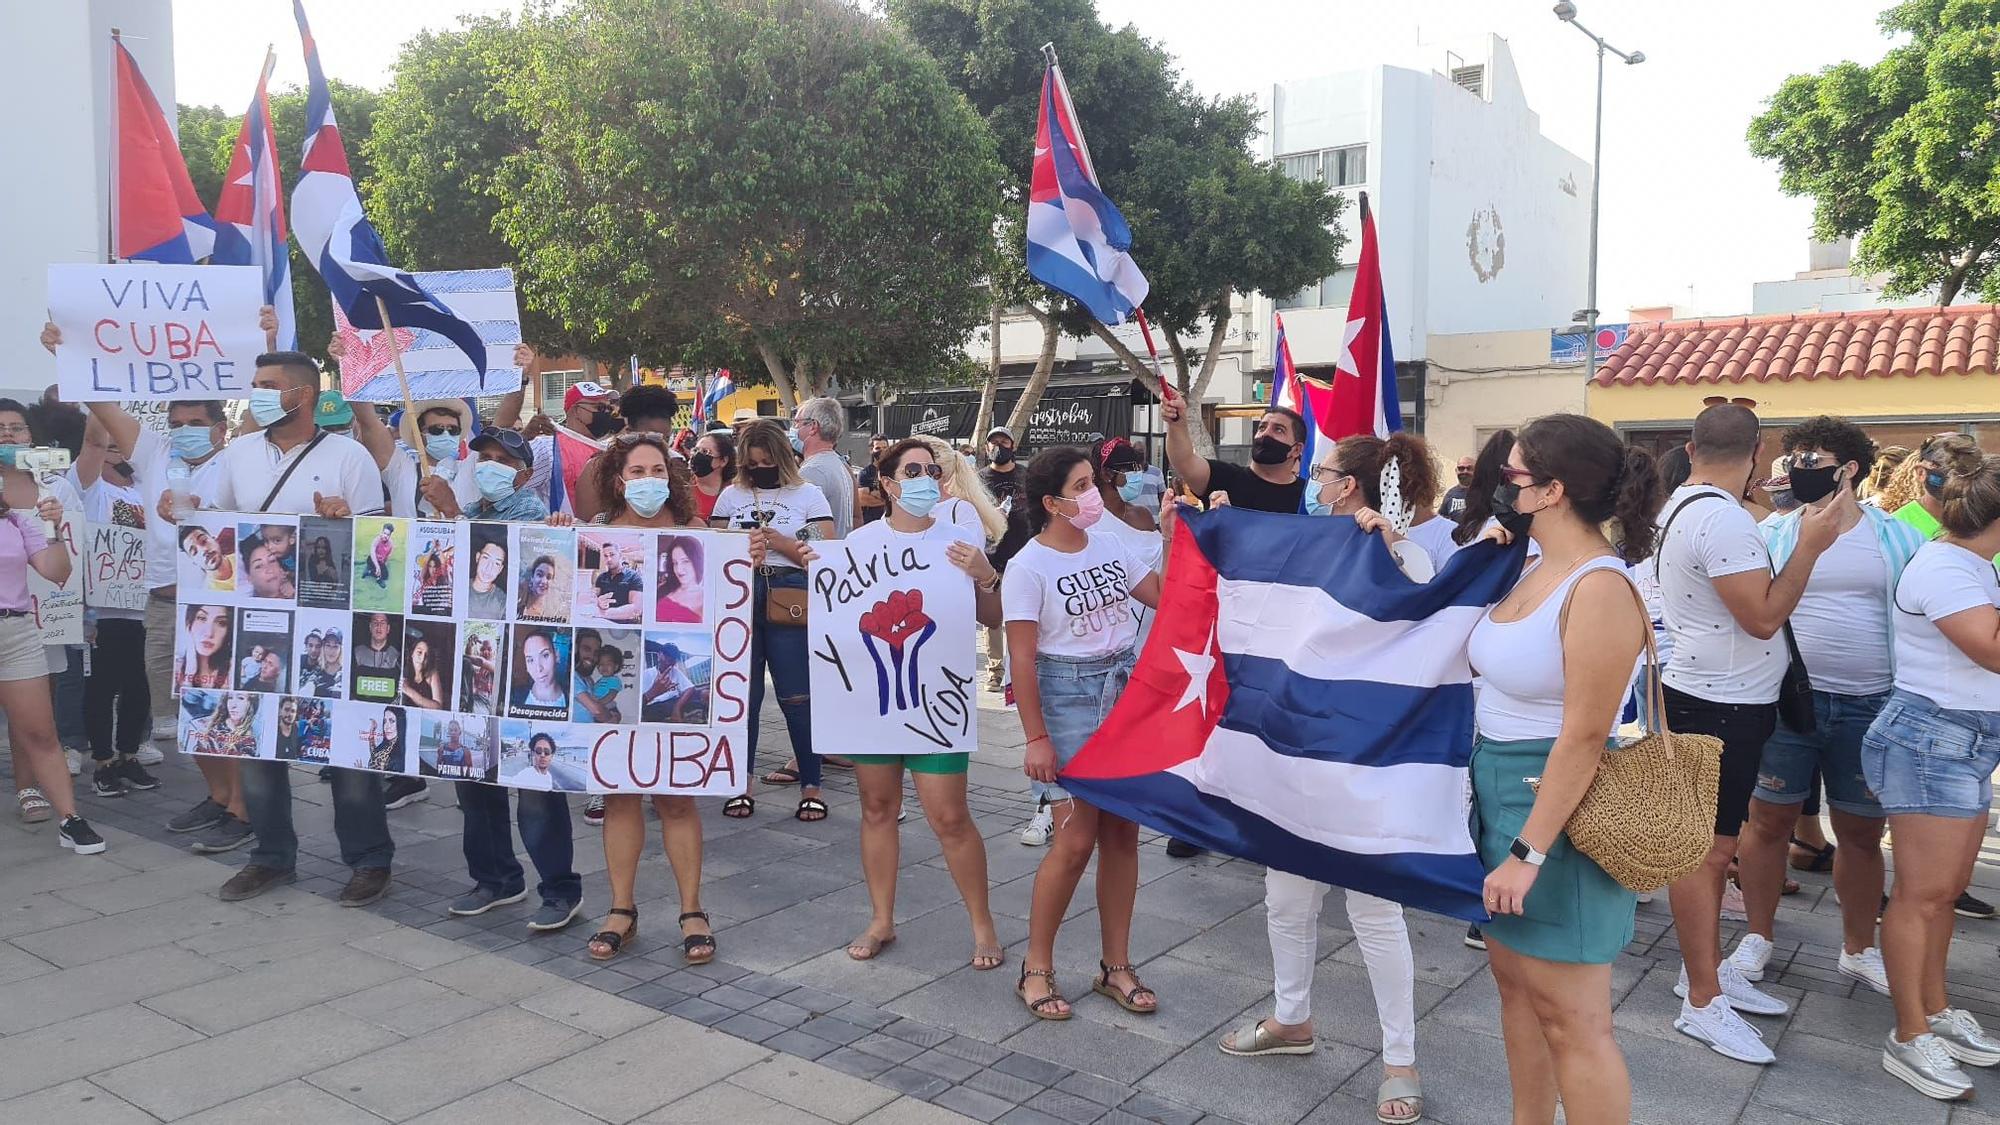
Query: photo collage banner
pixel 583 659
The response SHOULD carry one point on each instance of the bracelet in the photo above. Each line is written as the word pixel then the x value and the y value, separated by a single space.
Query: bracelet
pixel 1039 738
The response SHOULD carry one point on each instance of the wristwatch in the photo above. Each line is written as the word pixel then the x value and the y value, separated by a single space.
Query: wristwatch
pixel 1526 853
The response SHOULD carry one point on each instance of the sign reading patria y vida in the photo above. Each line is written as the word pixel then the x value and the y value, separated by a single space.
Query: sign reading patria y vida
pixel 891 641
pixel 139 330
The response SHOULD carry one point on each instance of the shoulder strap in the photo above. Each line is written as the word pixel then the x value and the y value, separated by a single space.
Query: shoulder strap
pixel 1656 705
pixel 290 469
pixel 1668 526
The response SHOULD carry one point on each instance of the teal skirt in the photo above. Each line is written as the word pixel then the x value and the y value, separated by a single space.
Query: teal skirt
pixel 1575 912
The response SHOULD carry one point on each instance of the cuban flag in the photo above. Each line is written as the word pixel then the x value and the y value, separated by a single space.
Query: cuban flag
pixel 1292 392
pixel 720 388
pixel 251 211
pixel 1363 399
pixel 340 242
pixel 160 219
pixel 1304 705
pixel 1077 240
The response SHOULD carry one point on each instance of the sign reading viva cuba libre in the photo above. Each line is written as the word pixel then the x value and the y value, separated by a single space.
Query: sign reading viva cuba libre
pixel 140 330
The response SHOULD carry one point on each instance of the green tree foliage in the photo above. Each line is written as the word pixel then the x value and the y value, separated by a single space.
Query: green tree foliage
pixel 787 177
pixel 1904 153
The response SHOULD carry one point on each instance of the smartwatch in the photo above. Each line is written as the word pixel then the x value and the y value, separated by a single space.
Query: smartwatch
pixel 1526 853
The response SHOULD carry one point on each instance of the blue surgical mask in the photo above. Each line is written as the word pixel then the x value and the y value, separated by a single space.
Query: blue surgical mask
pixel 495 480
pixel 268 406
pixel 191 443
pixel 918 497
pixel 10 455
pixel 647 495
pixel 441 447
pixel 1131 488
pixel 1315 506
pixel 798 443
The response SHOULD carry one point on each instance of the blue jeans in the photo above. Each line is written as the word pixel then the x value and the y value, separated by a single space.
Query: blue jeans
pixel 782 649
pixel 360 821
pixel 66 692
pixel 1932 761
pixel 545 830
pixel 1077 694
pixel 1832 752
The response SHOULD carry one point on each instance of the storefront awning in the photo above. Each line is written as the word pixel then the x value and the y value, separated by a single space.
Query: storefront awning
pixel 1068 414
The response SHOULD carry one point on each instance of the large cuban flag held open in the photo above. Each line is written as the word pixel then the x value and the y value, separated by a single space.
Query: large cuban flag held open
pixel 1303 704
pixel 1078 242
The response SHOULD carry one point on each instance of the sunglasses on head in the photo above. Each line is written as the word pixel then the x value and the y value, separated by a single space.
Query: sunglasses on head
pixel 933 470
pixel 639 437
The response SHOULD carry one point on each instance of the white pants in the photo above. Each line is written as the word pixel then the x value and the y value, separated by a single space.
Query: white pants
pixel 1291 906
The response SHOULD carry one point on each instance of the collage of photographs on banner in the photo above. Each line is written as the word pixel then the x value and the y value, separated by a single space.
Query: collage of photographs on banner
pixel 578 659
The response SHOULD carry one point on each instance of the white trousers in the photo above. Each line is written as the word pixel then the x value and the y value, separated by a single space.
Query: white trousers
pixel 1291 906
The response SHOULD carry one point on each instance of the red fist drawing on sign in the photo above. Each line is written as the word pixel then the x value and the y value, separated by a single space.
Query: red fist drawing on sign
pixel 893 621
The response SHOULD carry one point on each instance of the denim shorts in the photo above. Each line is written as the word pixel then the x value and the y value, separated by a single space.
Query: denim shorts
pixel 1077 693
pixel 1929 760
pixel 1834 748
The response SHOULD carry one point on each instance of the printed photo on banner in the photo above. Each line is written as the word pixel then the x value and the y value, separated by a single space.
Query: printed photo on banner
pixel 486 592
pixel 611 583
pixel 546 573
pixel 368 737
pixel 891 638
pixel 681 595
pixel 482 664
pixel 328 546
pixel 605 682
pixel 433 567
pixel 427 663
pixel 543 756
pixel 229 724
pixel 208 553
pixel 674 683
pixel 378 657
pixel 540 659
pixel 322 660
pixel 462 748
pixel 267 564
pixel 204 650
pixel 264 650
pixel 381 555
pixel 305 730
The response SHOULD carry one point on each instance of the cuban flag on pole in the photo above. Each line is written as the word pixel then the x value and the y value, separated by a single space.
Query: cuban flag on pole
pixel 338 239
pixel 1302 704
pixel 159 217
pixel 251 211
pixel 1291 391
pixel 720 388
pixel 1364 385
pixel 1077 240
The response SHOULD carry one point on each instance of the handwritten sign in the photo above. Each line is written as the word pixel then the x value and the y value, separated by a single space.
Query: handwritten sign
pixel 891 636
pixel 114 567
pixel 145 331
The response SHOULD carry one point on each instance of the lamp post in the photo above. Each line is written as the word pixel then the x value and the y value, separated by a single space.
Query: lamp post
pixel 1566 12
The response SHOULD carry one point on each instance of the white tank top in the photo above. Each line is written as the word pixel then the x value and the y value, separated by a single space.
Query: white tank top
pixel 1521 665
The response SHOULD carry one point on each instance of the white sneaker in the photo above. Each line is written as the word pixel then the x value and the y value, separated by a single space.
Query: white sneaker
pixel 1037 832
pixel 1963 1037
pixel 148 755
pixel 164 730
pixel 1645 898
pixel 74 758
pixel 1732 903
pixel 1752 954
pixel 1866 967
pixel 1926 1064
pixel 1741 994
pixel 1724 1031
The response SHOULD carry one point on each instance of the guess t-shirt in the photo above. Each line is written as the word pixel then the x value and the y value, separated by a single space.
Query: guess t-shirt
pixel 1078 600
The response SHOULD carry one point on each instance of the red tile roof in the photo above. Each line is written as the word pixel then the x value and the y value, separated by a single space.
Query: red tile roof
pixel 1872 344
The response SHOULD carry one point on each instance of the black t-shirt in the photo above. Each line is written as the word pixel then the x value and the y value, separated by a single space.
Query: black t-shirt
pixel 1454 502
pixel 865 480
pixel 1003 485
pixel 621 585
pixel 1248 490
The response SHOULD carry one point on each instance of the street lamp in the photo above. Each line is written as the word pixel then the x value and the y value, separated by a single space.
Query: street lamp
pixel 1566 12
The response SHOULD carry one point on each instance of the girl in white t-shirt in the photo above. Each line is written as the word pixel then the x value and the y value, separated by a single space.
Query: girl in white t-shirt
pixel 1929 757
pixel 1069 638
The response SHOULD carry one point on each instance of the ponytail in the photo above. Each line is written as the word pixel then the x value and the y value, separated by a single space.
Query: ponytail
pixel 1971 495
pixel 1640 494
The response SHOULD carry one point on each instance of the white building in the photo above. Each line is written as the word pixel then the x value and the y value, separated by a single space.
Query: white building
pixel 1829 284
pixel 56 91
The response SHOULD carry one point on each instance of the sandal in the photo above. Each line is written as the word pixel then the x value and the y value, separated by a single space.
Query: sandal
pixel 1128 1000
pixel 1043 1007
pixel 739 808
pixel 870 946
pixel 836 762
pixel 697 949
pixel 783 775
pixel 992 957
pixel 1400 1089
pixel 1822 858
pixel 1254 1039
pixel 812 810
pixel 612 939
pixel 35 808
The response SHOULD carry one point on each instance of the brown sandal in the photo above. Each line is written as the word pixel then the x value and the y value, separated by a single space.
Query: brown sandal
pixel 992 955
pixel 1128 1000
pixel 1042 1008
pixel 612 939
pixel 871 946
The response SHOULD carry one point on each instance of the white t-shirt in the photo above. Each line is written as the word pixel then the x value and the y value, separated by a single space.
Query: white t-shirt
pixel 1077 600
pixel 879 532
pixel 109 504
pixel 961 513
pixel 1147 548
pixel 1713 658
pixel 1843 615
pixel 150 462
pixel 528 777
pixel 405 473
pixel 1941 580
pixel 249 466
pixel 828 472
pixel 1434 536
pixel 781 509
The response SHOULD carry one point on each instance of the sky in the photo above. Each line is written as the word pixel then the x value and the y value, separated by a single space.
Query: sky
pixel 1689 218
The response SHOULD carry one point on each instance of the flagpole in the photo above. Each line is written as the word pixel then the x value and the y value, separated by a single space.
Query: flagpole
pixel 111 200
pixel 1166 394
pixel 402 380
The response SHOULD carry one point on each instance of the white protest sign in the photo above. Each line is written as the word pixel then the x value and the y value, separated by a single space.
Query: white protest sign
pixel 114 567
pixel 138 330
pixel 891 636
pixel 435 366
pixel 59 609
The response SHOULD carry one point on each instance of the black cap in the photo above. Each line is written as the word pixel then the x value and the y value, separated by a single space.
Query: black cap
pixel 507 441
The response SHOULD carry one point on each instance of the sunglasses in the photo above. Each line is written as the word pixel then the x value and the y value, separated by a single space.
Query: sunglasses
pixel 1519 476
pixel 1808 460
pixel 640 437
pixel 440 431
pixel 933 470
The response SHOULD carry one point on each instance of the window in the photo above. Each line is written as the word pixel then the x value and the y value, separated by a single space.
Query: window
pixel 1334 167
pixel 1331 292
pixel 554 385
pixel 1470 78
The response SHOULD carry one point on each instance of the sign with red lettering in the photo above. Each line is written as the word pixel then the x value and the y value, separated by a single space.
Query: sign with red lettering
pixel 139 330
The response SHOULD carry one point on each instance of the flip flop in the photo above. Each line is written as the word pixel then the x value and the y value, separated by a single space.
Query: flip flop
pixel 739 808
pixel 992 953
pixel 783 775
pixel 1262 1042
pixel 871 944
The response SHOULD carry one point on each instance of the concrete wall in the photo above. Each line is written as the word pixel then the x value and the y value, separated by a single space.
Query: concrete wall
pixel 1480 382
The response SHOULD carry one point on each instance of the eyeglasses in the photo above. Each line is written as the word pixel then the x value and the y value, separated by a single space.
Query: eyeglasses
pixel 440 431
pixel 933 470
pixel 14 430
pixel 1808 459
pixel 1326 474
pixel 1519 476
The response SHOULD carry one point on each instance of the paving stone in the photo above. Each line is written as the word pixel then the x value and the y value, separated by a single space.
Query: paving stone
pixel 57 995
pixel 1281 1088
pixel 732 997
pixel 833 1029
pixel 700 1011
pixel 852 1060
pixel 1147 1107
pixel 1811 1066
pixel 948 1067
pixel 1022 1115
pixel 273 989
pixel 414 948
pixel 225 1067
pixel 888 1048
pixel 743 1025
pixel 1000 1084
pixel 505 1102
pixel 974 1104
pixel 59 1052
pixel 74 1103
pixel 31 913
pixel 723 1102
pixel 1067 1107
pixel 943 1004
pixel 1100 1090
pixel 491 978
pixel 910 1111
pixel 784 934
pixel 813 1089
pixel 872 982
pixel 654 995
pixel 799 1044
pixel 1034 1069
pixel 985 1054
pixel 588 1009
pixel 914 1031
pixel 766 986
pixel 915 1083
pixel 102 938
pixel 410 1007
pixel 622 1078
pixel 400 1082
pixel 288 1101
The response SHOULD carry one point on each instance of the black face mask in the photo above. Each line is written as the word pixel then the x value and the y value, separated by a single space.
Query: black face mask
pixel 1514 522
pixel 1002 455
pixel 701 464
pixel 1810 486
pixel 1267 450
pixel 762 476
pixel 602 424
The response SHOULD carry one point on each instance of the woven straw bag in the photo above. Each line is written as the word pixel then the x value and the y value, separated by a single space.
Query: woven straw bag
pixel 1648 817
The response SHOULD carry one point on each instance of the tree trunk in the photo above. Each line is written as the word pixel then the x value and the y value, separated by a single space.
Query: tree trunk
pixel 1031 395
pixel 774 365
pixel 1218 330
pixel 1204 442
pixel 989 387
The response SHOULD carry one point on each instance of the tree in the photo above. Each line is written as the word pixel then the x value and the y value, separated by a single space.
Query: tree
pixel 1903 153
pixel 822 198
pixel 206 131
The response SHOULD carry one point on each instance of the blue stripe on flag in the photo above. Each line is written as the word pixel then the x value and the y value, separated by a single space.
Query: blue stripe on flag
pixel 1353 722
pixel 1061 273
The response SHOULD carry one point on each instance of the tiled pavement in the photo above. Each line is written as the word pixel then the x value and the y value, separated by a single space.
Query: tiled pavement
pixel 128 993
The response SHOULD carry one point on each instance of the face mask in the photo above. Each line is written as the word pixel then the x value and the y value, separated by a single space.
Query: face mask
pixel 495 480
pixel 1934 484
pixel 798 443
pixel 10 455
pixel 1089 509
pixel 191 443
pixel 268 407
pixel 762 476
pixel 701 463
pixel 441 447
pixel 919 496
pixel 647 495
pixel 1003 455
pixel 1317 507
pixel 1813 485
pixel 1514 522
pixel 1131 489
pixel 1268 450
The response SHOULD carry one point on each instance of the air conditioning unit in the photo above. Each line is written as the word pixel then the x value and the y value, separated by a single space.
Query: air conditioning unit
pixel 1470 78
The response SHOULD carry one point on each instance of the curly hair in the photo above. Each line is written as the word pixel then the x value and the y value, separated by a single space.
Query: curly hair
pixel 1364 456
pixel 1837 436
pixel 680 482
pixel 1948 451
pixel 1888 459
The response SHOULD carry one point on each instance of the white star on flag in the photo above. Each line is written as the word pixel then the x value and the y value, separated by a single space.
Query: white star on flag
pixel 1347 361
pixel 1198 666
